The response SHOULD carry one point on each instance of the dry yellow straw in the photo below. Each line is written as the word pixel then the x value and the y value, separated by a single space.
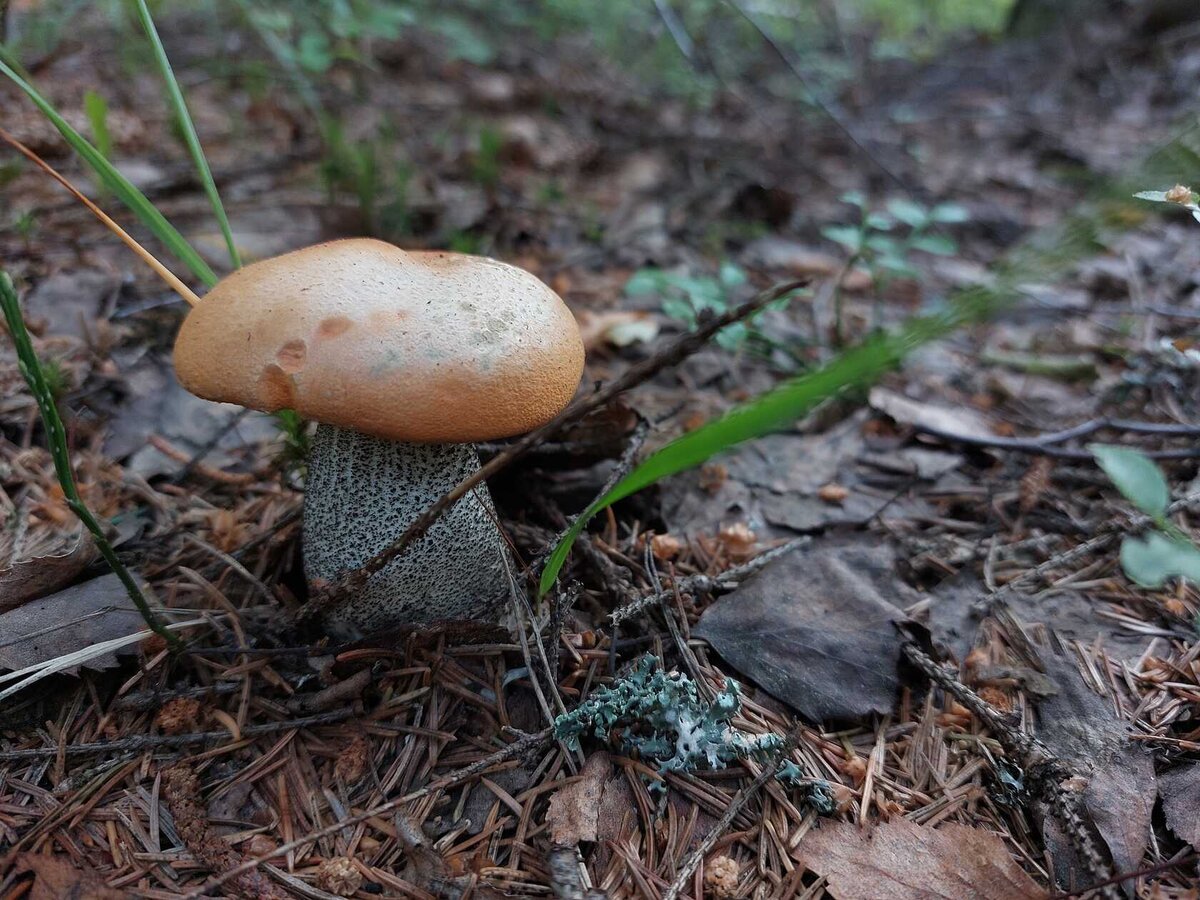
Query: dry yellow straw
pixel 146 256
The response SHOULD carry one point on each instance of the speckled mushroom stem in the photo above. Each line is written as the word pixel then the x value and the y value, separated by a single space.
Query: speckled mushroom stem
pixel 362 493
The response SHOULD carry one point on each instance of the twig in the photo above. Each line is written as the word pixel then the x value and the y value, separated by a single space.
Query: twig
pixel 150 741
pixel 517 748
pixel 56 438
pixel 1184 856
pixel 833 115
pixel 677 30
pixel 1110 535
pixel 1047 444
pixel 705 583
pixel 688 867
pixel 209 446
pixel 670 355
pixel 624 465
pixel 1046 772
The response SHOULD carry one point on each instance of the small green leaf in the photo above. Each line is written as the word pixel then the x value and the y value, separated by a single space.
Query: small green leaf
pixel 1151 560
pixel 911 214
pixel 314 52
pixel 949 214
pixel 731 275
pixel 937 244
pixel 1136 476
pixel 846 235
pixel 645 281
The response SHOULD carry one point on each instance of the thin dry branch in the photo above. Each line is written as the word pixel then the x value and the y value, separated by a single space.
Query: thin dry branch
pixel 1045 771
pixel 702 582
pixel 670 355
pixel 141 252
pixel 1048 444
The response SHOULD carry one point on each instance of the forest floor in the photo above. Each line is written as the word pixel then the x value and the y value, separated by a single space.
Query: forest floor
pixel 940 520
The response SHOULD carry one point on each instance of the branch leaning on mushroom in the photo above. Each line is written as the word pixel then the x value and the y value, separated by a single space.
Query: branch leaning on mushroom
pixel 670 355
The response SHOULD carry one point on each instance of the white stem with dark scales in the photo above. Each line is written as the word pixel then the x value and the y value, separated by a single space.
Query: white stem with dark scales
pixel 362 493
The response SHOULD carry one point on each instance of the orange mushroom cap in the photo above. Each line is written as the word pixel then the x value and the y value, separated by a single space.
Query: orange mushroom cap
pixel 406 346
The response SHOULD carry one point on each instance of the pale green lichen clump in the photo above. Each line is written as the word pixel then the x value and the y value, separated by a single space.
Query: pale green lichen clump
pixel 660 716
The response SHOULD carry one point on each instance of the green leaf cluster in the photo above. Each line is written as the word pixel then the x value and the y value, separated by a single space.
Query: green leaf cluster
pixel 1163 552
pixel 884 240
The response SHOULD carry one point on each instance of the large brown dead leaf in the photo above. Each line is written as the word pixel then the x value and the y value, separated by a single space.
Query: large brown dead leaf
pixel 55 878
pixel 1180 791
pixel 70 620
pixel 900 860
pixel 574 812
pixel 1082 730
pixel 817 628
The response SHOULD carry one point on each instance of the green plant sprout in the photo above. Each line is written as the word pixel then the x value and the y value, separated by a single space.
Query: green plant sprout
pixel 883 241
pixel 315 35
pixel 362 168
pixel 1180 195
pixel 56 438
pixel 685 298
pixel 486 166
pixel 297 442
pixel 95 107
pixel 1165 551
pixel 25 225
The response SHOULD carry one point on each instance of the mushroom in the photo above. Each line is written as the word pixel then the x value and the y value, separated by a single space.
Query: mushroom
pixel 404 359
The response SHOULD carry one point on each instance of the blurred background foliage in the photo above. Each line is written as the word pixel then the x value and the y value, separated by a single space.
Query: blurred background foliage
pixel 647 38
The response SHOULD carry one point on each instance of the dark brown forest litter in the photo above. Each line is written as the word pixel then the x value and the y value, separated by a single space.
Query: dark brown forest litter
pixel 423 768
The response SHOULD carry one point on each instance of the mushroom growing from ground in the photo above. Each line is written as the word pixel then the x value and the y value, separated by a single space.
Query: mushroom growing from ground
pixel 404 359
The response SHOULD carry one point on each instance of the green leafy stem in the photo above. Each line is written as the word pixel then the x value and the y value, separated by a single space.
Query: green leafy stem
pixel 56 437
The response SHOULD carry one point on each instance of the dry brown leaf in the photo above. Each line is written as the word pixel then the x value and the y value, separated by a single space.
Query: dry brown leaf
pixel 616 328
pixel 1119 786
pixel 817 628
pixel 900 860
pixel 26 579
pixel 954 420
pixel 1180 792
pixel 55 878
pixel 70 620
pixel 574 812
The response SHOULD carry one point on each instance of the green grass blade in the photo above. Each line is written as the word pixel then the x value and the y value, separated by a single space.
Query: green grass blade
pixel 777 408
pixel 1045 255
pixel 56 437
pixel 175 95
pixel 134 199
